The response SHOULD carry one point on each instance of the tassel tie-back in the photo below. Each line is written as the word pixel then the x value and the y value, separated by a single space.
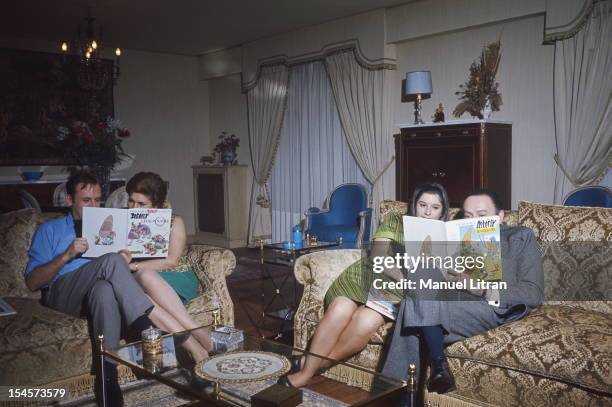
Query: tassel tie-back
pixel 562 168
pixel 380 174
pixel 263 199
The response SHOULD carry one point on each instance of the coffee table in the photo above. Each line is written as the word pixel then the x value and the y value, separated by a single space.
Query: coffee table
pixel 324 392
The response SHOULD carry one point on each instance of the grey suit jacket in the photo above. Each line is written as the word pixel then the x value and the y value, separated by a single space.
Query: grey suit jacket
pixel 521 270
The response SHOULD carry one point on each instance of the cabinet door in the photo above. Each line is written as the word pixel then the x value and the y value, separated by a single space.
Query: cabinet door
pixel 211 204
pixel 451 161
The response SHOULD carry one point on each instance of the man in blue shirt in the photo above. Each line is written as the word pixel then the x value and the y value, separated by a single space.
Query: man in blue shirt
pixel 101 289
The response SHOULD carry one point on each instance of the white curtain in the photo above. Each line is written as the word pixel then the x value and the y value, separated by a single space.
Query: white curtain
pixel 313 156
pixel 364 104
pixel 583 102
pixel 266 105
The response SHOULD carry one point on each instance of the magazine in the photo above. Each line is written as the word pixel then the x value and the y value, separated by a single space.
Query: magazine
pixel 6 309
pixel 144 232
pixel 474 237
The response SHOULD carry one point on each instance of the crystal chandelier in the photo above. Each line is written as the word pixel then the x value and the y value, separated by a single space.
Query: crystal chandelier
pixel 92 72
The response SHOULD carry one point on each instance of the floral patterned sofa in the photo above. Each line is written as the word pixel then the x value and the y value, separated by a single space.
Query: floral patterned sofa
pixel 559 355
pixel 39 346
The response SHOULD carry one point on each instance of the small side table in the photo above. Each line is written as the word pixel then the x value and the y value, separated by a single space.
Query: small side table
pixel 284 254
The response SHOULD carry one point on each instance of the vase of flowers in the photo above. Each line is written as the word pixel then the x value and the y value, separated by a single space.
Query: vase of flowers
pixel 226 149
pixel 480 95
pixel 97 147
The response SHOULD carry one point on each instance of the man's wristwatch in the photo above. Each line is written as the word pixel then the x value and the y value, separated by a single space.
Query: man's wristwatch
pixel 135 266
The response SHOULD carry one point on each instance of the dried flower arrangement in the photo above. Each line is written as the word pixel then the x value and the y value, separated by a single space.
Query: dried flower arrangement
pixel 480 93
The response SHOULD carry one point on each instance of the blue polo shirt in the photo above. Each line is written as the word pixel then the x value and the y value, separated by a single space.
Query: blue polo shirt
pixel 51 240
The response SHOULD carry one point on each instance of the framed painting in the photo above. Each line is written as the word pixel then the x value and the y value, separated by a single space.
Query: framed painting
pixel 41 93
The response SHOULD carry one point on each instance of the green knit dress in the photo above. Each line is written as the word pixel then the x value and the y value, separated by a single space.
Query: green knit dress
pixel 355 281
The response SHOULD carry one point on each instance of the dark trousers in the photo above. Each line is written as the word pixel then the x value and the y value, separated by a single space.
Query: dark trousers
pixel 105 292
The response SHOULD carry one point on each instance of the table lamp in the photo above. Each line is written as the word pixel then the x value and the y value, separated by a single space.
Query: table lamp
pixel 418 85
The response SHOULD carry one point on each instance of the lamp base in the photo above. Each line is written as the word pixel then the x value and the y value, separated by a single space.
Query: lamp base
pixel 417 110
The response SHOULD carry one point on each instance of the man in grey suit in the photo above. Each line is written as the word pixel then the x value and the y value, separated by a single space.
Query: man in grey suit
pixel 102 289
pixel 434 323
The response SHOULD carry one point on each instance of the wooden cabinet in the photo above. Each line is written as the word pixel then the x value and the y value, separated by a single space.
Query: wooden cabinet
pixel 220 205
pixel 461 155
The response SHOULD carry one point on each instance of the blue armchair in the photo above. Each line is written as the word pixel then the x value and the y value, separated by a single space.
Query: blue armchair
pixel 596 196
pixel 348 217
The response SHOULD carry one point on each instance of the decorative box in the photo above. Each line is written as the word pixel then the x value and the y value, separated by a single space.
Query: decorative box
pixel 227 339
pixel 277 396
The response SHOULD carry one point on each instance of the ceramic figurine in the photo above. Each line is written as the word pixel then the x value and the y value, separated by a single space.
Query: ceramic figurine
pixel 439 114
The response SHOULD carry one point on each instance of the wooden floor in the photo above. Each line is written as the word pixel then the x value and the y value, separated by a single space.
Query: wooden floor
pixel 246 287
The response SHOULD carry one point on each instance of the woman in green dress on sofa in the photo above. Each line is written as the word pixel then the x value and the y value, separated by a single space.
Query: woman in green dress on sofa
pixel 348 324
pixel 169 283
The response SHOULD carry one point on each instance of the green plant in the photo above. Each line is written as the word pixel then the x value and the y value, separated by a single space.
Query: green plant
pixel 481 86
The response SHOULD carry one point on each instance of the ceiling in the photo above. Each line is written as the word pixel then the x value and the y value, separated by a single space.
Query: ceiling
pixel 189 27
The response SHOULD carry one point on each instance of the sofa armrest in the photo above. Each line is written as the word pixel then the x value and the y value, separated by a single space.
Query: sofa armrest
pixel 316 272
pixel 212 265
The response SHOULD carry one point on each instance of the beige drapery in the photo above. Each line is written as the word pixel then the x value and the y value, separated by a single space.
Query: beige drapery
pixel 583 102
pixel 266 107
pixel 364 104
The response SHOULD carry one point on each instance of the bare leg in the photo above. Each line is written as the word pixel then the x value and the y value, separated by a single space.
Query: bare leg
pixel 164 295
pixel 354 337
pixel 336 318
pixel 357 334
pixel 165 321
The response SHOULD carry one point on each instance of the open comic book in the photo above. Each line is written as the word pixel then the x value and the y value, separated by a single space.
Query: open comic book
pixel 446 242
pixel 144 232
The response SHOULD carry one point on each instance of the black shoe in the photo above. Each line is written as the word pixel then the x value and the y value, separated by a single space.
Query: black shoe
pixel 284 381
pixel 441 379
pixel 114 397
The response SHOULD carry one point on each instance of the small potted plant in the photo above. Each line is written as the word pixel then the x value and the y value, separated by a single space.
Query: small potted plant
pixel 226 149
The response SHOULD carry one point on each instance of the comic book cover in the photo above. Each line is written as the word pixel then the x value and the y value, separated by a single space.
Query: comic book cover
pixel 144 232
pixel 479 237
pixel 149 232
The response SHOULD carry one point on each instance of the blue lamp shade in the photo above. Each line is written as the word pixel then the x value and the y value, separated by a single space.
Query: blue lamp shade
pixel 418 82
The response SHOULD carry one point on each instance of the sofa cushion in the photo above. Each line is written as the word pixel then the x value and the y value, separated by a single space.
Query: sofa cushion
pixel 561 343
pixel 35 325
pixel 576 244
pixel 16 231
pixel 481 384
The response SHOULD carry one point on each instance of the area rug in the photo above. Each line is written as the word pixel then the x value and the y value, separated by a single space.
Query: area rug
pixel 141 393
pixel 147 393
pixel 241 394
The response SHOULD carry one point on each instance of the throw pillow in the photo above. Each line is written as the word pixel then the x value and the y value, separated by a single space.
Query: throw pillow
pixel 576 244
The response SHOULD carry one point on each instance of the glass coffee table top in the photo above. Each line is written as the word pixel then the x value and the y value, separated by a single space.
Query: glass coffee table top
pixel 306 247
pixel 243 365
